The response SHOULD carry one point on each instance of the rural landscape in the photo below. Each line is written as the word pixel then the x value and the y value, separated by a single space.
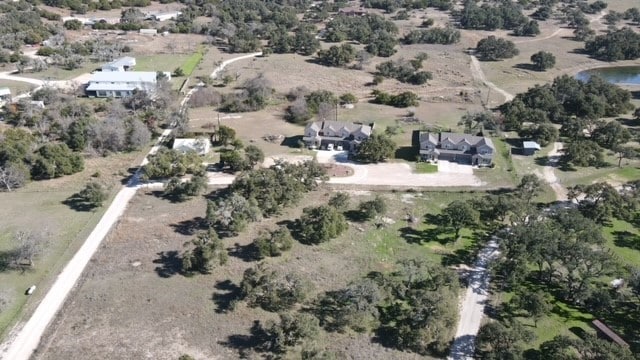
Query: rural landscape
pixel 369 179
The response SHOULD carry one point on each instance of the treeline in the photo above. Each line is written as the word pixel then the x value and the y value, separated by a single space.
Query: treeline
pixel 51 142
pixel 436 35
pixel 375 31
pixel 619 44
pixel 393 5
pixel 564 100
pixel 402 100
pixel 505 15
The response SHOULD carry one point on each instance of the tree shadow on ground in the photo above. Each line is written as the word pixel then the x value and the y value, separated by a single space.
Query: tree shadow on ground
pixel 226 296
pixel 77 203
pixel 355 216
pixel 415 236
pixel 293 226
pixel 407 153
pixel 130 173
pixel 189 227
pixel 246 344
pixel 292 141
pixel 526 66
pixel 247 253
pixel 8 261
pixel 170 264
pixel 626 239
pixel 463 346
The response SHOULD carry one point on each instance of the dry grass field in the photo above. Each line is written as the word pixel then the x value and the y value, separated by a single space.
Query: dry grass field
pixel 132 303
pixel 39 208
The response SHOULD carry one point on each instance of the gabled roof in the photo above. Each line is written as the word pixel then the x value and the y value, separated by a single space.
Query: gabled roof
pixel 427 136
pixel 339 125
pixel 456 138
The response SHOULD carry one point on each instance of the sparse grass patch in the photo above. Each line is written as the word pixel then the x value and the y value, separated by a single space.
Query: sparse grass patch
pixel 16 87
pixel 426 168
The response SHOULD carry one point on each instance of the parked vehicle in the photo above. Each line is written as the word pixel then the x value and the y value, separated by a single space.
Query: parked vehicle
pixel 30 290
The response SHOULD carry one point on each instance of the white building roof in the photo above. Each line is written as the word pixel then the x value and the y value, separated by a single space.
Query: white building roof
pixel 5 91
pixel 111 87
pixel 530 145
pixel 123 61
pixel 200 146
pixel 124 77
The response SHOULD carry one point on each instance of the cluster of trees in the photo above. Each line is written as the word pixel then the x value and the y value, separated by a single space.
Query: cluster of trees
pixel 20 25
pixel 240 160
pixel 206 251
pixel 305 104
pixel 405 71
pixel 377 33
pixel 337 56
pixel 437 35
pixel 273 291
pixel 402 100
pixel 492 48
pixel 578 107
pixel 22 158
pixel 505 15
pixel 376 148
pixel 302 42
pixel 619 44
pixel 167 163
pixel 262 192
pixel 255 95
pixel 411 308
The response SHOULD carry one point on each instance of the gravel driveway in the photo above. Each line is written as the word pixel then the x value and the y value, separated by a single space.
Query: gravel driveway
pixel 399 174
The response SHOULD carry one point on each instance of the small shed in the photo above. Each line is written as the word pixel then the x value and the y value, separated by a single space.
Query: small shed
pixel 201 145
pixel 152 32
pixel 530 147
pixel 5 94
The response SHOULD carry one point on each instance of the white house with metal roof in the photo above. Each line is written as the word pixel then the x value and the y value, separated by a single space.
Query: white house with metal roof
pixel 121 83
pixel 200 146
pixel 122 64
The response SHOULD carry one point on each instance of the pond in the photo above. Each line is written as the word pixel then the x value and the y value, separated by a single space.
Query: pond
pixel 616 75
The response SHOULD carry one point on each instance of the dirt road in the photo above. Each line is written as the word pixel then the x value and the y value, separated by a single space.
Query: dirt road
pixel 472 309
pixel 478 75
pixel 23 341
pixel 549 174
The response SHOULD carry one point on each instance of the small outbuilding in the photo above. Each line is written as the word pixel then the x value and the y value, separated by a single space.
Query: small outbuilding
pixel 530 147
pixel 201 145
pixel 5 94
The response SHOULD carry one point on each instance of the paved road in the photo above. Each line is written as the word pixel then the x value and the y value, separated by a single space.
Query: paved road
pixel 24 341
pixel 472 309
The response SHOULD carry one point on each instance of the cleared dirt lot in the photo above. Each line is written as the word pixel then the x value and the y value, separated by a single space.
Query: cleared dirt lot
pixel 131 304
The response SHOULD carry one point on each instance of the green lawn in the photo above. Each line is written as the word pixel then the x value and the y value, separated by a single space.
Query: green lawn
pixel 426 168
pixel 624 240
pixel 192 62
pixel 422 239
pixel 160 62
pixel 64 228
pixel 503 174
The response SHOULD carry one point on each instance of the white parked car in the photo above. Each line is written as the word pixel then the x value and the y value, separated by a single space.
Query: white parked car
pixel 30 290
pixel 330 147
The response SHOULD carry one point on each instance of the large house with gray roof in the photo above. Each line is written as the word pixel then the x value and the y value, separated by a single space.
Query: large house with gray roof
pixel 336 134
pixel 455 147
